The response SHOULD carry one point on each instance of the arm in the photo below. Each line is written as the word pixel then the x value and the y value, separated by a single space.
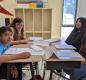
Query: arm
pixel 19 42
pixel 5 58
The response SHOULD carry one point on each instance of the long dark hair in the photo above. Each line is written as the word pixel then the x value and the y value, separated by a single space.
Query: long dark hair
pixel 13 25
pixel 83 22
pixel 76 35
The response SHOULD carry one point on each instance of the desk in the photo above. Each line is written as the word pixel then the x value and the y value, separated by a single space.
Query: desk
pixel 53 63
pixel 33 58
pixel 56 63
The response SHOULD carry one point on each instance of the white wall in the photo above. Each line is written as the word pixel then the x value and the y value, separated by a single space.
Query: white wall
pixel 81 11
pixel 56 6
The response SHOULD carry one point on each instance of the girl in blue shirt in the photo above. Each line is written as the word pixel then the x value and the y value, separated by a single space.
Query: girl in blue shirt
pixel 5 37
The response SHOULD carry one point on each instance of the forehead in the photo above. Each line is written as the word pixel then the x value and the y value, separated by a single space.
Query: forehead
pixel 78 20
pixel 19 23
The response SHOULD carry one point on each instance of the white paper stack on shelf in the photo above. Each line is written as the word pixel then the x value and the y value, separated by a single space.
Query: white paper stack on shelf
pixel 69 55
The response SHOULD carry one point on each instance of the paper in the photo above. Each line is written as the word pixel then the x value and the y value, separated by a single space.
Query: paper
pixel 66 47
pixel 68 54
pixel 42 43
pixel 48 52
pixel 36 38
pixel 21 50
pixel 52 40
pixel 36 48
pixel 61 42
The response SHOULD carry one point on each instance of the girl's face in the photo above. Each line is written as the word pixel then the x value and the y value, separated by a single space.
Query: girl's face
pixel 6 37
pixel 19 26
pixel 78 24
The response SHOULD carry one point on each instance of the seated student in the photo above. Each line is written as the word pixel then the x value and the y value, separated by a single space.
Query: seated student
pixel 17 28
pixel 75 38
pixel 81 72
pixel 5 35
pixel 77 34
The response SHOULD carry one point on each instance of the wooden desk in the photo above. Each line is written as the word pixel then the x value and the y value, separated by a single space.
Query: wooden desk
pixel 55 63
pixel 33 58
pixel 60 62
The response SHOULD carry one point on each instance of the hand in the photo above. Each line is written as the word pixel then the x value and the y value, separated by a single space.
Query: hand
pixel 14 72
pixel 24 55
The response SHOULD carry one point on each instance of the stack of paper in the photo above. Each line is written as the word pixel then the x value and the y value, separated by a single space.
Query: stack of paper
pixel 65 47
pixel 52 40
pixel 68 54
pixel 46 42
pixel 36 38
pixel 42 43
pixel 21 50
pixel 48 53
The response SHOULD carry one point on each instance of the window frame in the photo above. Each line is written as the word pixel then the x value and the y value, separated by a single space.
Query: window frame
pixel 74 16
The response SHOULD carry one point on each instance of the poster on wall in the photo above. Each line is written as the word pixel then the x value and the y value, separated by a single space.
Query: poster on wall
pixel 18 1
pixel 32 3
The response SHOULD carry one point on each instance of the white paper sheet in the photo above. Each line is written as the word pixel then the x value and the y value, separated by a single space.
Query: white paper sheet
pixel 36 38
pixel 52 40
pixel 42 43
pixel 66 47
pixel 68 54
pixel 20 50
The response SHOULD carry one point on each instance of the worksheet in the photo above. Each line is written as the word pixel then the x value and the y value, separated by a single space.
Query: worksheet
pixel 21 50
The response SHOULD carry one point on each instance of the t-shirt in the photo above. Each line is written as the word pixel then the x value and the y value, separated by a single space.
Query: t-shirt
pixel 3 49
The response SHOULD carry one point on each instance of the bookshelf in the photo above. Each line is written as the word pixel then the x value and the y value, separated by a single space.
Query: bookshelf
pixel 37 22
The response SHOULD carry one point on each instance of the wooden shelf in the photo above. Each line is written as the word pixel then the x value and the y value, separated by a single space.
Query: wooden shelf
pixel 46 35
pixel 37 21
pixel 28 20
pixel 19 13
pixel 37 35
pixel 29 34
pixel 47 15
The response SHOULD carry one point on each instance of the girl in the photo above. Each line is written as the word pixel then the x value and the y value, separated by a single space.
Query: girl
pixel 18 36
pixel 77 34
pixel 80 74
pixel 75 39
pixel 5 36
pixel 17 28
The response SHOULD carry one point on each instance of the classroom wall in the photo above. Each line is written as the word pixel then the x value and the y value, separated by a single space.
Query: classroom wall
pixel 56 6
pixel 81 9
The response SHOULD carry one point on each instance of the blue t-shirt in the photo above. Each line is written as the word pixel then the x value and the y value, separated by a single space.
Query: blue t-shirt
pixel 3 49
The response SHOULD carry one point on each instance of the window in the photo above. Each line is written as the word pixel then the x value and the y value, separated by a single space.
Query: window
pixel 69 15
pixel 69 12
